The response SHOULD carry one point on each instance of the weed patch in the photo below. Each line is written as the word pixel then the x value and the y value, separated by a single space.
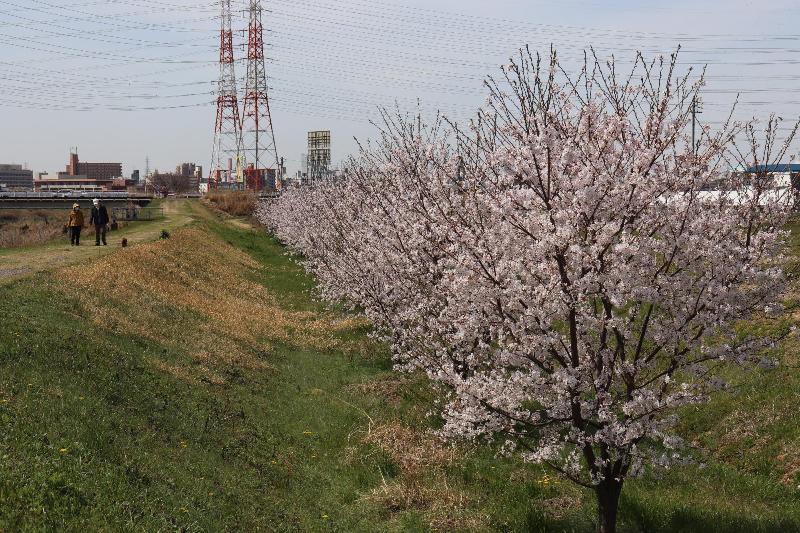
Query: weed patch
pixel 421 483
pixel 30 227
pixel 235 203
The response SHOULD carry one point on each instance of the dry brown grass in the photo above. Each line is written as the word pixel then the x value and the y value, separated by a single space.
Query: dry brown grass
pixel 30 227
pixel 789 463
pixel 195 292
pixel 790 353
pixel 195 375
pixel 754 431
pixel 420 458
pixel 445 508
pixel 389 388
pixel 741 427
pixel 413 451
pixel 236 203
pixel 560 506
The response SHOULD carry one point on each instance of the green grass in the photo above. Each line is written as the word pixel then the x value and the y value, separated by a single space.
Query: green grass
pixel 94 437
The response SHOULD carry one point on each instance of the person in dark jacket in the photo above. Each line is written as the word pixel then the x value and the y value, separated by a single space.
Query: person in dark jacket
pixel 75 224
pixel 100 220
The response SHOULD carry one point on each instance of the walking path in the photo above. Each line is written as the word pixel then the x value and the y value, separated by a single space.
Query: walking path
pixel 16 263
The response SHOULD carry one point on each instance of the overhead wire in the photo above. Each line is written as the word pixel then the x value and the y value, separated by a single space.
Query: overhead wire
pixel 92 35
pixel 333 62
pixel 507 25
pixel 114 20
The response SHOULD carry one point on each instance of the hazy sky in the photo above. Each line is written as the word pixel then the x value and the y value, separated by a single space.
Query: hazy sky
pixel 127 79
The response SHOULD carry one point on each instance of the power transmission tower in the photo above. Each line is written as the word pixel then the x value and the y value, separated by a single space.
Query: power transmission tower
pixel 262 153
pixel 146 172
pixel 227 149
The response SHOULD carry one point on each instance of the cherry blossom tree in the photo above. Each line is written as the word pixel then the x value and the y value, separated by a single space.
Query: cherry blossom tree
pixel 564 265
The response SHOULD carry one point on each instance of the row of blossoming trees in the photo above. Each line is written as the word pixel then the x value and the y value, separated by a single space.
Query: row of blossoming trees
pixel 560 265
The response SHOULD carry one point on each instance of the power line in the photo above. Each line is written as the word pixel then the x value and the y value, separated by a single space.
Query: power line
pixel 322 67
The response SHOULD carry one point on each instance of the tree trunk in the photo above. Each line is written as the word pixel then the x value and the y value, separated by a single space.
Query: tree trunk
pixel 607 503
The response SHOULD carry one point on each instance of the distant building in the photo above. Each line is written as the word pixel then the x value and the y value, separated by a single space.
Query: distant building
pixel 782 174
pixel 84 177
pixel 95 171
pixel 14 177
pixel 270 179
pixel 192 172
pixel 185 169
pixel 120 184
pixel 282 175
pixel 300 178
pixel 135 176
pixel 72 183
pixel 319 154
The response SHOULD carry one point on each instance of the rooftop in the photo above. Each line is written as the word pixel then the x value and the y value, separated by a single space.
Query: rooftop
pixel 779 167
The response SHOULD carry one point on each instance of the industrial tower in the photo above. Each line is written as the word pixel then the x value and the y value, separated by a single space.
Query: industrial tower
pixel 227 156
pixel 264 168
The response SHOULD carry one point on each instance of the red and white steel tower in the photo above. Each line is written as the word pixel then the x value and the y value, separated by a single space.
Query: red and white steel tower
pixel 264 167
pixel 227 156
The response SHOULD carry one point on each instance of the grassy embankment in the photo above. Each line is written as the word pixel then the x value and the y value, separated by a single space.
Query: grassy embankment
pixel 33 227
pixel 195 383
pixel 55 252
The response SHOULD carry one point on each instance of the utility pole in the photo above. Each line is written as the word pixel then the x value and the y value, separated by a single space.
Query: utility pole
pixel 257 127
pixel 228 127
pixel 695 112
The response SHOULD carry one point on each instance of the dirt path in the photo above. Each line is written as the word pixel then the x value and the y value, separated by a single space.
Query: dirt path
pixel 19 262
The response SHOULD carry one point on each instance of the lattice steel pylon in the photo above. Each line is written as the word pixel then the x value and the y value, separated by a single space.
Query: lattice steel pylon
pixel 227 150
pixel 259 136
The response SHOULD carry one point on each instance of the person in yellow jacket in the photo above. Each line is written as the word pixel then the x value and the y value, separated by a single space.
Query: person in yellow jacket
pixel 75 225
